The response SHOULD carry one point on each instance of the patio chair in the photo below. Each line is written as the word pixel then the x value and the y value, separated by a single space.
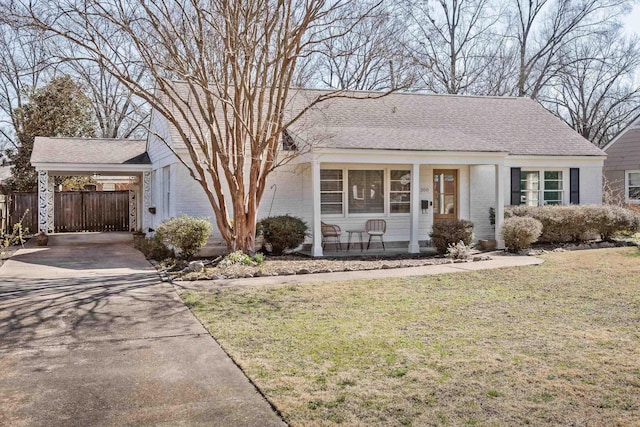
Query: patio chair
pixel 376 227
pixel 331 231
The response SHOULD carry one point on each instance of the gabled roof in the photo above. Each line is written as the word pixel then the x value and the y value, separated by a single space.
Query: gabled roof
pixel 633 125
pixel 96 151
pixel 412 121
pixel 424 122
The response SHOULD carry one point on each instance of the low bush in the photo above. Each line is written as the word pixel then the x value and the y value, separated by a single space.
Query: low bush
pixel 282 232
pixel 520 232
pixel 561 224
pixel 240 258
pixel 184 233
pixel 153 248
pixel 459 251
pixel 450 232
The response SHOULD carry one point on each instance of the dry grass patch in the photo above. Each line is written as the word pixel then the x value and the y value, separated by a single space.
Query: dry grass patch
pixel 556 344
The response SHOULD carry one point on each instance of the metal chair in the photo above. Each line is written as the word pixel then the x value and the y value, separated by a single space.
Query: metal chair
pixel 331 231
pixel 376 227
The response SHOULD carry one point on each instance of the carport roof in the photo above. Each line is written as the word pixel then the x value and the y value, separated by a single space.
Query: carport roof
pixel 89 151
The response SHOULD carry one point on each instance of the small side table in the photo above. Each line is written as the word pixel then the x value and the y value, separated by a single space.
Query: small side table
pixel 351 232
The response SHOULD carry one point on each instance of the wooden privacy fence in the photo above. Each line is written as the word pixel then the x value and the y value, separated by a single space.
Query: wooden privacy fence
pixel 76 210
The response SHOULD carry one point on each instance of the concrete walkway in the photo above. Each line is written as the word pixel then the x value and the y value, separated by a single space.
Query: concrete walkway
pixel 89 336
pixel 498 261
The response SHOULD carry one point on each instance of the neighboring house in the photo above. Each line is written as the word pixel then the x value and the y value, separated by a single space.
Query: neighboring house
pixel 410 159
pixel 622 167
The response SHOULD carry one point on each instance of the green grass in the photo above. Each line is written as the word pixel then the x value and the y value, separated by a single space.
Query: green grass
pixel 556 344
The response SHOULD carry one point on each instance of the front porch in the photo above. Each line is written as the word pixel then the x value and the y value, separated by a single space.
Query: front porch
pixel 349 188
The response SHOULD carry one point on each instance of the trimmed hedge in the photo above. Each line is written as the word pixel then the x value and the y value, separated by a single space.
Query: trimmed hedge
pixel 562 224
pixel 450 232
pixel 520 232
pixel 282 232
pixel 185 233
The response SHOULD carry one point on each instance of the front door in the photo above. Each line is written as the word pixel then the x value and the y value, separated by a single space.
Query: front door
pixel 445 194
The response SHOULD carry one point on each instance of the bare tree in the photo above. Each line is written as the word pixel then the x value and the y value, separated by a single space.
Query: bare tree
pixel 23 67
pixel 237 60
pixel 371 56
pixel 119 114
pixel 453 42
pixel 596 93
pixel 542 28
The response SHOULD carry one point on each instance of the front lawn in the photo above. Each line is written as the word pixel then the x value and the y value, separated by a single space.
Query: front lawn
pixel 556 344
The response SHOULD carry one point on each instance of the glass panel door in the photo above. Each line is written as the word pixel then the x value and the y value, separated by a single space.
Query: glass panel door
pixel 445 194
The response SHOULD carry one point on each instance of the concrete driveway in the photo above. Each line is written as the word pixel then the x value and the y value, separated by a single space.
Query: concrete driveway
pixel 89 336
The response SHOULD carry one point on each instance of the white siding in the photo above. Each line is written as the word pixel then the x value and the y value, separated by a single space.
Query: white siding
pixel 482 195
pixel 156 148
pixel 590 185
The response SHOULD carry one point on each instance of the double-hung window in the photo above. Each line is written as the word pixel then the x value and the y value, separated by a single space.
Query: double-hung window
pixel 538 188
pixel 331 190
pixel 632 186
pixel 361 191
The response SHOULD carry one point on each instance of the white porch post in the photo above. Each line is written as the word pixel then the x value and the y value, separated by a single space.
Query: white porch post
pixel 414 244
pixel 146 201
pixel 46 188
pixel 316 248
pixel 133 207
pixel 43 201
pixel 500 178
pixel 51 188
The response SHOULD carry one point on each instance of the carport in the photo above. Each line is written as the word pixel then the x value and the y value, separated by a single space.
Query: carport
pixel 95 157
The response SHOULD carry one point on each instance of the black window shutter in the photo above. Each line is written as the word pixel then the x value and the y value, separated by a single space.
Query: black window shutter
pixel 574 186
pixel 515 186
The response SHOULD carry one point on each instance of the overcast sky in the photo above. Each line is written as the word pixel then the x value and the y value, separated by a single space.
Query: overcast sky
pixel 633 20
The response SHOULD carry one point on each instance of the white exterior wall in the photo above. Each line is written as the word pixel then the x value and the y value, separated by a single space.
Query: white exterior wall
pixel 590 174
pixel 482 197
pixel 591 185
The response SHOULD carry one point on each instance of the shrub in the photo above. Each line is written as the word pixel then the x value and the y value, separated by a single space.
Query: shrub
pixel 282 232
pixel 608 220
pixel 17 235
pixel 185 233
pixel 520 232
pixel 240 258
pixel 562 224
pixel 153 248
pixel 450 232
pixel 459 251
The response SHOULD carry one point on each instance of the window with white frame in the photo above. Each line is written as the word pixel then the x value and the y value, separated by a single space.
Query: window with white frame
pixel 632 186
pixel 331 190
pixel 365 191
pixel 400 191
pixel 535 191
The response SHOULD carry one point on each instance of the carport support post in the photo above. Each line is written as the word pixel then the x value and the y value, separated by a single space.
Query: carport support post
pixel 414 244
pixel 46 186
pixel 146 201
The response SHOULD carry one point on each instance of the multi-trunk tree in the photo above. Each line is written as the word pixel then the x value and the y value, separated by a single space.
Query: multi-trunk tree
pixel 236 61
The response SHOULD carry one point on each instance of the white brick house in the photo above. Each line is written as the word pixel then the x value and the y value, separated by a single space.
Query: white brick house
pixel 410 159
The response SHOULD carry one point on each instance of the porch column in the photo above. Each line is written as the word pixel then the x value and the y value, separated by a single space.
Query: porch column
pixel 414 244
pixel 146 201
pixel 500 178
pixel 45 202
pixel 316 248
pixel 133 207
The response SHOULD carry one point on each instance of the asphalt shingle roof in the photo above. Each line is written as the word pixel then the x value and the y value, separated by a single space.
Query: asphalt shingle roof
pixel 410 121
pixel 89 150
